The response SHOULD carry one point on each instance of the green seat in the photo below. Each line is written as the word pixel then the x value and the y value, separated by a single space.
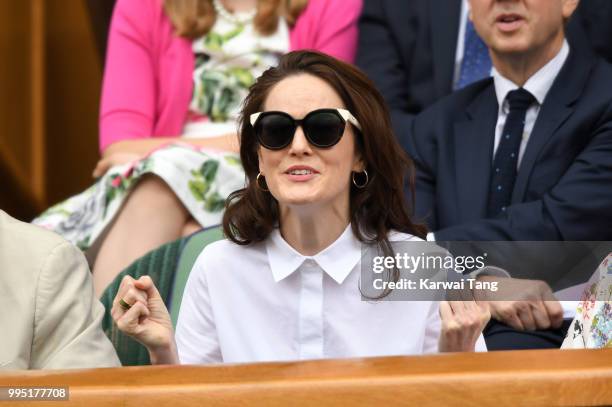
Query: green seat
pixel 169 267
pixel 190 253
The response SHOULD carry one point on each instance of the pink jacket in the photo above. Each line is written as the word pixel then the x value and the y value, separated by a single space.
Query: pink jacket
pixel 148 84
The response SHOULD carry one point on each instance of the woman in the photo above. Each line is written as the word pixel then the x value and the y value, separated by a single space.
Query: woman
pixel 325 176
pixel 182 67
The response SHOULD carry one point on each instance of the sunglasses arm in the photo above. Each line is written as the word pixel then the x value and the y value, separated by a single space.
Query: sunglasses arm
pixel 253 118
pixel 348 116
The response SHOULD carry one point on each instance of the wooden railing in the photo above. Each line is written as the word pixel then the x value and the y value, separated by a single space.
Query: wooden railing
pixel 516 378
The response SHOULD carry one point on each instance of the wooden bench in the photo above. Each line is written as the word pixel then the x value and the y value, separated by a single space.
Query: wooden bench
pixel 525 378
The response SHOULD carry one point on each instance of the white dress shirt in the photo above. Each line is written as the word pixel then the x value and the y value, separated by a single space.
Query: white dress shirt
pixel 267 302
pixel 538 85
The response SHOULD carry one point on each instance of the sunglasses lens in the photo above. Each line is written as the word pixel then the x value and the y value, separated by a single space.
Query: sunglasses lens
pixel 275 131
pixel 324 129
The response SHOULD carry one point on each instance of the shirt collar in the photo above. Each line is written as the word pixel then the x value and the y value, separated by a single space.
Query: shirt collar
pixel 337 260
pixel 538 84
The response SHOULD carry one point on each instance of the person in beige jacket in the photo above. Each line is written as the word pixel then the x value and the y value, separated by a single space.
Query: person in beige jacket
pixel 49 317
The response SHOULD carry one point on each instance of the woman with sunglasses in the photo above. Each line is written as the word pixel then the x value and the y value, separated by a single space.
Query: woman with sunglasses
pixel 181 68
pixel 326 176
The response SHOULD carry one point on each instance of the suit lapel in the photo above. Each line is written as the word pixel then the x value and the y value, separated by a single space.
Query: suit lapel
pixel 473 143
pixel 556 109
pixel 444 22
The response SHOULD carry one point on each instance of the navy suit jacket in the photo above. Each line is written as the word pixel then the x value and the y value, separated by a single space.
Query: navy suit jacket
pixel 408 47
pixel 563 189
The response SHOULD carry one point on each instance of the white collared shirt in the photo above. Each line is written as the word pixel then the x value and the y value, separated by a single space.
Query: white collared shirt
pixel 267 302
pixel 538 85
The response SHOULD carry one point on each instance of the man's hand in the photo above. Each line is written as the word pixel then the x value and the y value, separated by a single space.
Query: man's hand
pixel 522 304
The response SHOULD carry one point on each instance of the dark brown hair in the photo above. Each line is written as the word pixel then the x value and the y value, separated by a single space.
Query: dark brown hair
pixel 194 18
pixel 251 213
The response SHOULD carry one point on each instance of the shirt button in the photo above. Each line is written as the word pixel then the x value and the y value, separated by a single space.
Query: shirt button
pixel 499 187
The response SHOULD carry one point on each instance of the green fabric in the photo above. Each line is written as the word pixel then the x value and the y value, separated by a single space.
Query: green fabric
pixel 160 264
pixel 190 253
pixel 169 267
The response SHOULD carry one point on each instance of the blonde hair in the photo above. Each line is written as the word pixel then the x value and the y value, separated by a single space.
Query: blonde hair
pixel 195 18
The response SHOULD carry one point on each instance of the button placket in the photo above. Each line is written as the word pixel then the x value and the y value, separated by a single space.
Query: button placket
pixel 311 311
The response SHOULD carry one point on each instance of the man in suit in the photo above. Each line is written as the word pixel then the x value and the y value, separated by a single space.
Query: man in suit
pixel 416 51
pixel 525 155
pixel 50 318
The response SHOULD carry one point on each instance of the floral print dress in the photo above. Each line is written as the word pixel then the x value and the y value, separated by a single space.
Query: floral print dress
pixel 227 61
pixel 592 326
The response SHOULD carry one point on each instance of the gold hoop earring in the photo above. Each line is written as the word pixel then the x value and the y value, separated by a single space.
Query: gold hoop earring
pixel 363 185
pixel 259 183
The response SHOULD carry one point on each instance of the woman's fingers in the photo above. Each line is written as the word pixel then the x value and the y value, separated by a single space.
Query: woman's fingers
pixel 140 312
pixel 462 323
pixel 159 312
pixel 446 312
pixel 116 310
pixel 132 296
pixel 130 321
pixel 111 160
pixel 145 283
pixel 127 295
pixel 127 284
pixel 485 311
pixel 101 167
pixel 471 321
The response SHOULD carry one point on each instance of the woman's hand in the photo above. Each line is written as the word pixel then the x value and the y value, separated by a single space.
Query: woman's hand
pixel 126 151
pixel 113 159
pixel 139 311
pixel 462 324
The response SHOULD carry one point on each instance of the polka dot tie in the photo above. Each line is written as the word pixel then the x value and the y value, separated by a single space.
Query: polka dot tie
pixel 476 63
pixel 506 156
